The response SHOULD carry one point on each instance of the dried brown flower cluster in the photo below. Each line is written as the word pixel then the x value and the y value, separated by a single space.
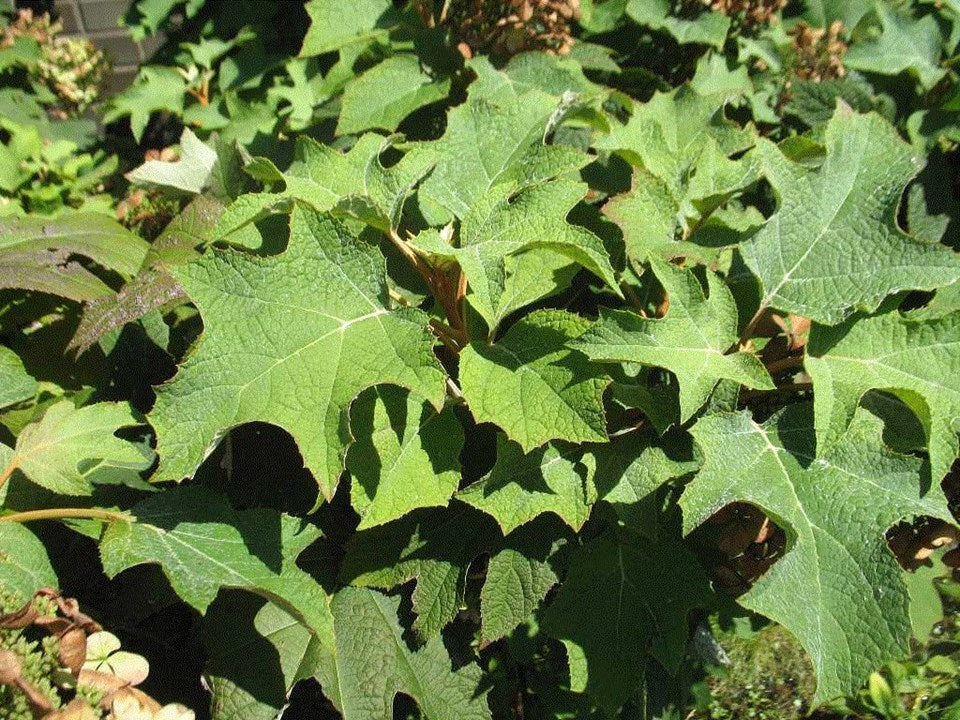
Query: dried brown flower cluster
pixel 749 13
pixel 503 28
pixel 40 28
pixel 78 659
pixel 71 68
pixel 818 52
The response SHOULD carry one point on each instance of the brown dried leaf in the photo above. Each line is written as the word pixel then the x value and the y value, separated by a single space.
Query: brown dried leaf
pixel 10 667
pixel 73 649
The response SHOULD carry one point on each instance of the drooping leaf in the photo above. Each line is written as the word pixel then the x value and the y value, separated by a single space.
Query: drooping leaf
pixel 497 227
pixel 71 448
pixel 24 565
pixel 35 253
pixel 16 384
pixel 153 287
pixel 900 43
pixel 630 470
pixel 385 94
pixel 257 652
pixel 692 340
pixel 147 291
pixel 835 510
pixel 203 544
pixel 354 183
pixel 404 455
pixel 434 547
pixel 708 28
pixel 519 575
pixel 555 478
pixel 532 386
pixel 290 348
pixel 624 597
pixel 334 25
pixel 373 663
pixel 190 173
pixel 916 359
pixel 834 246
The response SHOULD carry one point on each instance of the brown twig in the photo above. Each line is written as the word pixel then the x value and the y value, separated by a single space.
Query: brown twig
pixel 751 326
pixel 448 295
pixel 787 363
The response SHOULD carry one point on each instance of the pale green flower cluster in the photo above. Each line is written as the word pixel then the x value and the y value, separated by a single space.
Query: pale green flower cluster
pixel 73 69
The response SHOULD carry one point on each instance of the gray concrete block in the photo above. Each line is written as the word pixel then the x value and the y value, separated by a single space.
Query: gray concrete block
pixel 102 14
pixel 69 15
pixel 119 79
pixel 119 47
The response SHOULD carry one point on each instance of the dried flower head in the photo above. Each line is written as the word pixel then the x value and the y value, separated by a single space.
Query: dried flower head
pixel 750 13
pixel 818 52
pixel 503 28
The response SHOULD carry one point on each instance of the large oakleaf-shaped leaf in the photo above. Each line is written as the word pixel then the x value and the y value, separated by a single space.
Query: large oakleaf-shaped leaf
pixel 835 510
pixel 916 358
pixel 834 245
pixel 692 340
pixel 290 346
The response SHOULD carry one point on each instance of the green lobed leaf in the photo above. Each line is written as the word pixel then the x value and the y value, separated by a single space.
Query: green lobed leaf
pixel 385 94
pixel 494 140
pixel 622 598
pixel 69 449
pixel 916 359
pixel 835 510
pixel 203 545
pixel 290 348
pixel 432 546
pixel 24 565
pixel 156 89
pixel 667 135
pixel 834 246
pixel 405 455
pixel 556 478
pixel 16 384
pixel 900 44
pixel 334 25
pixel 532 386
pixel 372 664
pixel 692 341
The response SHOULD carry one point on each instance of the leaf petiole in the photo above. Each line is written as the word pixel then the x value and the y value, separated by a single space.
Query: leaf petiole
pixel 68 514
